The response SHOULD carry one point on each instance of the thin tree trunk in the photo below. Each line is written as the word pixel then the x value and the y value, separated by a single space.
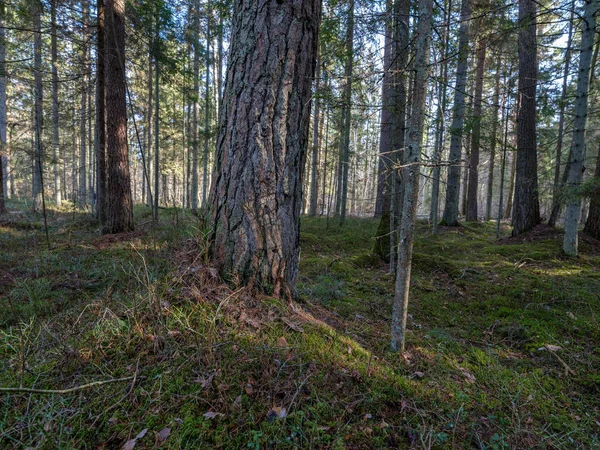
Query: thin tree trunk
pixel 411 177
pixel 592 224
pixel 156 119
pixel 83 111
pixel 450 216
pixel 575 178
pixel 473 188
pixel 256 194
pixel 38 105
pixel 561 127
pixel 526 207
pixel 346 113
pixel 440 123
pixel 511 189
pixel 55 135
pixel 3 146
pixel 494 140
pixel 314 192
pixel 119 201
pixel 194 193
pixel 206 111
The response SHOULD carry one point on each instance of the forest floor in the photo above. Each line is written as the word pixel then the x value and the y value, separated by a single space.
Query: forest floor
pixel 503 344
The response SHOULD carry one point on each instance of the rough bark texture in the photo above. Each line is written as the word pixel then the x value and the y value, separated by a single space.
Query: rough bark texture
pixel 3 181
pixel 411 177
pixel 579 125
pixel 473 187
pixel 119 211
pixel 526 207
pixel 256 194
pixel 450 217
pixel 38 106
pixel 100 119
pixel 561 128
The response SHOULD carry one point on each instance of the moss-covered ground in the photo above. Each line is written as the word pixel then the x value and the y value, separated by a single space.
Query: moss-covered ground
pixel 503 344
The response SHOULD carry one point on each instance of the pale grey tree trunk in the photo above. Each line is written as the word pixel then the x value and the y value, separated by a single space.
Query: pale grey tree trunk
pixel 256 193
pixel 450 216
pixel 556 203
pixel 36 10
pixel 411 177
pixel 55 133
pixel 156 119
pixel 575 177
pixel 100 118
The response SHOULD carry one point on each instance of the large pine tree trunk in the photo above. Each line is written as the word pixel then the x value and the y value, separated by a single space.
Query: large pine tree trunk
pixel 256 194
pixel 414 142
pixel 575 176
pixel 100 119
pixel 450 216
pixel 38 105
pixel 473 187
pixel 3 146
pixel 119 208
pixel 526 207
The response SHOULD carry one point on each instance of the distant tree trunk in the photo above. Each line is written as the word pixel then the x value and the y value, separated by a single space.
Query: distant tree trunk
pixel 256 194
pixel 149 130
pixel 206 112
pixel 346 113
pixel 3 146
pixel 156 119
pixel 411 176
pixel 55 135
pixel 494 140
pixel 450 216
pixel 526 207
pixel 473 188
pixel 579 126
pixel 119 208
pixel 38 105
pixel 440 122
pixel 561 127
pixel 314 192
pixel 100 119
pixel 194 193
pixel 83 111
pixel 511 189
pixel 220 63
pixel 592 224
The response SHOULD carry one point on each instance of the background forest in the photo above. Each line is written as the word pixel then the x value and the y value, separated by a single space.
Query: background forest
pixel 446 152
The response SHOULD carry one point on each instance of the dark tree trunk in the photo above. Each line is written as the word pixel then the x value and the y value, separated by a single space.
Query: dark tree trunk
pixel 526 207
pixel 38 106
pixel 256 194
pixel 100 119
pixel 473 187
pixel 592 224
pixel 450 217
pixel 119 208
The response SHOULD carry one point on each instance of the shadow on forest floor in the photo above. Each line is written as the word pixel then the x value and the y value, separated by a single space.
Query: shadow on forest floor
pixel 503 344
